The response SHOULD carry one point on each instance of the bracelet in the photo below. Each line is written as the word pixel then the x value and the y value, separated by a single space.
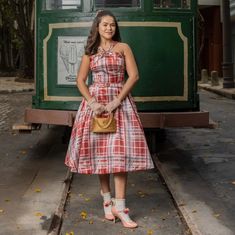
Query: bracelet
pixel 91 101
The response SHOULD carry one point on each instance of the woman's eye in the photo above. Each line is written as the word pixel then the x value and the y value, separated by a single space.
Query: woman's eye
pixel 111 25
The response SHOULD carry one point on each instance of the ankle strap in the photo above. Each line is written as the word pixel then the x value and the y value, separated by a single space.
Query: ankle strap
pixel 107 203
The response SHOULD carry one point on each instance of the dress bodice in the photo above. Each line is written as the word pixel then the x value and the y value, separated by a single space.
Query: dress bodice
pixel 107 66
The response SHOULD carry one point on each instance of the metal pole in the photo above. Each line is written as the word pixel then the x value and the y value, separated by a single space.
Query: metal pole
pixel 228 81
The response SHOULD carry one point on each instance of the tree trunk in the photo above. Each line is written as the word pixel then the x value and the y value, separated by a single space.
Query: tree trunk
pixel 28 51
pixel 5 44
pixel 23 10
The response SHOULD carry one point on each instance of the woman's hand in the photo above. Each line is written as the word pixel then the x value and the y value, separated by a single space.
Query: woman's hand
pixel 111 106
pixel 96 107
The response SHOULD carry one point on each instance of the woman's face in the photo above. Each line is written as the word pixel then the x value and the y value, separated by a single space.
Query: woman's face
pixel 107 27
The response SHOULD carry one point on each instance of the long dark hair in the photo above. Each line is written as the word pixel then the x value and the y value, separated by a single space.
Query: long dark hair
pixel 93 40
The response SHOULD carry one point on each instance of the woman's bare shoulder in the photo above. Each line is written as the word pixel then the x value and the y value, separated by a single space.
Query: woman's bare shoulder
pixel 86 57
pixel 122 48
pixel 123 45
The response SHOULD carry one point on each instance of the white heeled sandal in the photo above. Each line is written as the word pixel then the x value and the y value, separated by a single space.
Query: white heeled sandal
pixel 122 213
pixel 107 204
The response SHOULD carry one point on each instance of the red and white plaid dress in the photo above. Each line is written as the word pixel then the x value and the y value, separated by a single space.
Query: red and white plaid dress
pixel 123 151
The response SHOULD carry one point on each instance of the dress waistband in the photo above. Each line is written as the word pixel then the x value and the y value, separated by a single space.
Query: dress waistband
pixel 108 84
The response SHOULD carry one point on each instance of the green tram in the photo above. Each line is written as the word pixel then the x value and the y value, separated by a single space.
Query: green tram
pixel 162 35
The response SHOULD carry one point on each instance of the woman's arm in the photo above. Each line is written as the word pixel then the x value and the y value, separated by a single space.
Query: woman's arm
pixel 96 107
pixel 132 71
pixel 82 76
pixel 133 76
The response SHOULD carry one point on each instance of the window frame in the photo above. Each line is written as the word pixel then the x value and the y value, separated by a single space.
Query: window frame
pixel 118 9
pixel 78 9
pixel 155 8
pixel 122 7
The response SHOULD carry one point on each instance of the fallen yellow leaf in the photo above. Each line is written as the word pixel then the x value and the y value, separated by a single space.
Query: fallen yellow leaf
pixel 83 214
pixel 39 214
pixel 23 152
pixel 37 190
pixel 87 199
pixel 217 215
pixel 91 222
pixel 150 232
pixel 70 233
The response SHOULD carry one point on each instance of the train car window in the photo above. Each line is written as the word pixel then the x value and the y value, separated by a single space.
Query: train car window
pixel 115 3
pixel 172 4
pixel 61 4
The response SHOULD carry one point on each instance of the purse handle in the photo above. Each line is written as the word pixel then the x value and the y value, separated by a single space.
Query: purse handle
pixel 105 126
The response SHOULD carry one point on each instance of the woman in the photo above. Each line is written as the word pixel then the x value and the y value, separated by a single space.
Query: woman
pixel 126 149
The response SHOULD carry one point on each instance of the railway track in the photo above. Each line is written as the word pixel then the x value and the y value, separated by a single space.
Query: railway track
pixel 162 214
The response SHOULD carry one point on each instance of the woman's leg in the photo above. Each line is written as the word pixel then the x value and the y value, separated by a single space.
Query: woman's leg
pixel 120 181
pixel 104 182
pixel 119 203
pixel 105 193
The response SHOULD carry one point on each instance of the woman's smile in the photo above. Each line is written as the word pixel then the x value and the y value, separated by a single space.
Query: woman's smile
pixel 107 27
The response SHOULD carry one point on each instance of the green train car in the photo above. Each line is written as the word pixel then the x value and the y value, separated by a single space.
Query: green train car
pixel 162 35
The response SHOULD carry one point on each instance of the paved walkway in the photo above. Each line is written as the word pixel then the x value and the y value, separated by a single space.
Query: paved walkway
pixel 10 85
pixel 227 92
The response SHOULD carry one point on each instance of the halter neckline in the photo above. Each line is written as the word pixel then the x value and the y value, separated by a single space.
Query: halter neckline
pixel 112 44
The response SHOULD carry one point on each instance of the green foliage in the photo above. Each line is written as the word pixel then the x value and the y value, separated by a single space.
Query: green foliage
pixel 15 21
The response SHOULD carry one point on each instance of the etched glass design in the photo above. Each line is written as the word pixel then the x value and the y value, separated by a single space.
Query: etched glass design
pixel 177 4
pixel 61 4
pixel 115 3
